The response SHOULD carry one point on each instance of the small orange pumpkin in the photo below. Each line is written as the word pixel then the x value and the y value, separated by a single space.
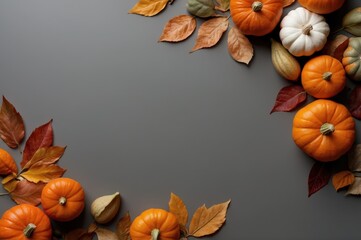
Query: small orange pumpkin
pixel 322 6
pixel 323 77
pixel 7 163
pixel 25 222
pixel 63 199
pixel 155 224
pixel 324 129
pixel 256 18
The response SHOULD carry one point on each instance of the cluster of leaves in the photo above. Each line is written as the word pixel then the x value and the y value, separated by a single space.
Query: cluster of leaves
pixel 39 158
pixel 205 221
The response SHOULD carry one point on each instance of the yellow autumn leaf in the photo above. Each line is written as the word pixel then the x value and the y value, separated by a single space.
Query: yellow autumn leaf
pixel 179 209
pixel 43 173
pixel 206 221
pixel 148 8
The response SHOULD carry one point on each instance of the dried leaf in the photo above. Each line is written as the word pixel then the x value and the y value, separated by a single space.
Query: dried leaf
pixel 45 155
pixel 355 187
pixel 78 234
pixel 12 128
pixel 318 177
pixel 208 221
pixel 239 47
pixel 354 158
pixel 40 137
pixel 148 8
pixel 105 234
pixel 27 192
pixel 43 173
pixel 223 5
pixel 9 182
pixel 287 3
pixel 123 227
pixel 342 179
pixel 178 208
pixel 288 98
pixel 210 32
pixel 355 102
pixel 178 29
pixel 351 22
pixel 336 46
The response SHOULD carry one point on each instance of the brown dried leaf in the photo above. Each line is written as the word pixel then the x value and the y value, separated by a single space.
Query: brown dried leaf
pixel 9 182
pixel 43 173
pixel 210 32
pixel 287 3
pixel 355 102
pixel 239 47
pixel 27 192
pixel 336 46
pixel 208 221
pixel 78 234
pixel 355 187
pixel 123 227
pixel 178 208
pixel 12 128
pixel 223 5
pixel 45 155
pixel 105 234
pixel 288 98
pixel 148 8
pixel 354 158
pixel 40 137
pixel 178 28
pixel 342 179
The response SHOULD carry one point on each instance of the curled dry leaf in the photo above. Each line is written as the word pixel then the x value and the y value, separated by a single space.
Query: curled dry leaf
pixel 342 179
pixel 27 192
pixel 123 227
pixel 355 187
pixel 222 5
pixel 239 47
pixel 43 173
pixel 287 3
pixel 148 8
pixel 288 98
pixel 12 128
pixel 210 32
pixel 336 46
pixel 206 221
pixel 318 177
pixel 355 102
pixel 105 234
pixel 178 29
pixel 354 158
pixel 179 209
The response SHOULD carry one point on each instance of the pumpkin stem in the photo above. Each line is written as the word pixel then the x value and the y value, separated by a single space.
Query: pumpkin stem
pixel 62 201
pixel 257 6
pixel 327 75
pixel 327 129
pixel 29 229
pixel 307 29
pixel 155 233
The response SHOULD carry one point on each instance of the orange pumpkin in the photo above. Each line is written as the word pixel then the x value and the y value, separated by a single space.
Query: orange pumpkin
pixel 324 129
pixel 25 222
pixel 63 199
pixel 256 18
pixel 321 6
pixel 7 163
pixel 323 77
pixel 155 224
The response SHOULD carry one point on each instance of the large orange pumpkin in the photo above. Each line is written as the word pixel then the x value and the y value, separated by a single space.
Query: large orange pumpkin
pixel 324 129
pixel 256 18
pixel 322 6
pixel 25 222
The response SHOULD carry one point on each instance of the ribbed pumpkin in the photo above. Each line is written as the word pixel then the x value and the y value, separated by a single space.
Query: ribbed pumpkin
pixel 155 224
pixel 256 18
pixel 7 163
pixel 25 222
pixel 352 59
pixel 322 6
pixel 323 77
pixel 324 129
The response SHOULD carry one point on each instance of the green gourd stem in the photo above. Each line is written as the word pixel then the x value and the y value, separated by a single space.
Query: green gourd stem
pixel 307 29
pixel 155 233
pixel 327 75
pixel 257 6
pixel 29 229
pixel 62 201
pixel 327 129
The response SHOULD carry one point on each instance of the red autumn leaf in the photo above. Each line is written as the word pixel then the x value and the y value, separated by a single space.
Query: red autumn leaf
pixel 336 46
pixel 319 177
pixel 40 137
pixel 12 128
pixel 342 179
pixel 27 192
pixel 45 155
pixel 355 102
pixel 288 98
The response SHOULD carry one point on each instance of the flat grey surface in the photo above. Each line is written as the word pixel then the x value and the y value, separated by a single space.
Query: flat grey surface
pixel 147 118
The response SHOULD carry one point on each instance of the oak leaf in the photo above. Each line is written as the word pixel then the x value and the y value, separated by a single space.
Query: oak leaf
pixel 342 179
pixel 123 227
pixel 355 187
pixel 288 98
pixel 287 3
pixel 239 47
pixel 148 8
pixel 222 5
pixel 40 137
pixel 354 158
pixel 178 208
pixel 210 32
pixel 27 192
pixel 206 221
pixel 355 102
pixel 336 46
pixel 178 28
pixel 318 177
pixel 43 173
pixel 12 128
pixel 45 155
pixel 105 234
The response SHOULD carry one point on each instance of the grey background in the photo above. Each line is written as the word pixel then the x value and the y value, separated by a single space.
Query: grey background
pixel 147 118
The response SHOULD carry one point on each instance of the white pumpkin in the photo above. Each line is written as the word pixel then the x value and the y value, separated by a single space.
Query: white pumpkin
pixel 303 32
